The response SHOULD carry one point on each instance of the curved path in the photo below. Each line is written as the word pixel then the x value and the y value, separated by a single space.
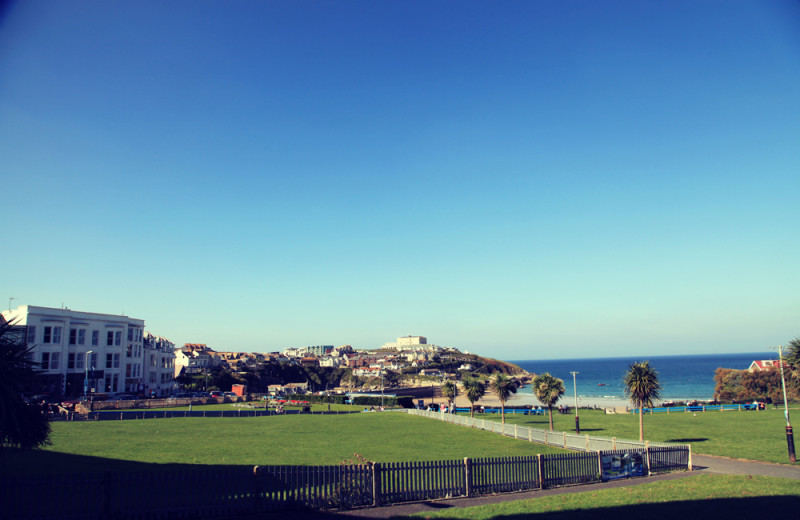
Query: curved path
pixel 726 466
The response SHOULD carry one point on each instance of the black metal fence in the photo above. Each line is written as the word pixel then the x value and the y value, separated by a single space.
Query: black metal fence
pixel 210 492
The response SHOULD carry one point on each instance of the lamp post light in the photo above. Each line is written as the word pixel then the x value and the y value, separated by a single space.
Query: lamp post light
pixel 86 373
pixel 575 388
pixel 789 434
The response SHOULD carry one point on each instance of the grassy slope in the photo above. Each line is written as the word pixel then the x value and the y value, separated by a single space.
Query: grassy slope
pixel 288 439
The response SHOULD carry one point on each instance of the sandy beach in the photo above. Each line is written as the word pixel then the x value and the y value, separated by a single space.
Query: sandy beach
pixel 490 400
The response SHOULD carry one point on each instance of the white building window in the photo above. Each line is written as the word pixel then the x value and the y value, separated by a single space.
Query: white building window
pixel 79 360
pixel 52 335
pixel 45 360
pixel 95 337
pixel 54 360
pixel 81 336
pixel 31 334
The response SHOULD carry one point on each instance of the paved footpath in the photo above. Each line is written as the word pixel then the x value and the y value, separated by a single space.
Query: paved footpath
pixel 702 464
pixel 726 466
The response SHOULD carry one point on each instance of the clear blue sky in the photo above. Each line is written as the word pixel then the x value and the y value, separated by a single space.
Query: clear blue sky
pixel 517 179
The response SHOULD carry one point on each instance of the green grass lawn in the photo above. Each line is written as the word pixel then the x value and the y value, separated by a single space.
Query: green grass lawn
pixel 700 496
pixel 754 435
pixel 286 439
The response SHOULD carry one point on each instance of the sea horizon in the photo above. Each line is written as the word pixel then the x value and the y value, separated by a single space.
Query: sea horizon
pixel 682 377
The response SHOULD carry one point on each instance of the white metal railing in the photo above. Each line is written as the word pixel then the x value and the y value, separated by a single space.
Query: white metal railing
pixel 569 441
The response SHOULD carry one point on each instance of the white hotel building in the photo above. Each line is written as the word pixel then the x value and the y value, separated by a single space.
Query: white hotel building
pixel 72 345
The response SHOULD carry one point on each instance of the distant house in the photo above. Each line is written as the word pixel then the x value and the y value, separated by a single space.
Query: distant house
pixel 288 388
pixel 765 364
pixel 430 372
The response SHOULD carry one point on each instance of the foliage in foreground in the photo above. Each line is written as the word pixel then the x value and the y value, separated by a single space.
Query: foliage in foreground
pixel 21 424
pixel 699 496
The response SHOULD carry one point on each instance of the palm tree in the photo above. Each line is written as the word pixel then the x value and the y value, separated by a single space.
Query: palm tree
pixel 503 386
pixel 548 391
pixel 450 391
pixel 641 384
pixel 21 424
pixel 474 389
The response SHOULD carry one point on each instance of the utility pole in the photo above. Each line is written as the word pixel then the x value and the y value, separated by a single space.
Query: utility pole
pixel 575 388
pixel 789 433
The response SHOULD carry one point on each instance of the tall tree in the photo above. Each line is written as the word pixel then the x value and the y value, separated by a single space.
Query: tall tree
pixel 474 390
pixel 503 386
pixel 21 424
pixel 450 392
pixel 792 359
pixel 548 390
pixel 641 384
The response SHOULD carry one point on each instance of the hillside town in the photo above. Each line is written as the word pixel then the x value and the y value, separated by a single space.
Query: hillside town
pixel 81 353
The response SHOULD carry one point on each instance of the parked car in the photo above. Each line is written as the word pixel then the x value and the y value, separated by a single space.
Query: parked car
pixel 216 393
pixel 182 395
pixel 44 399
pixel 229 394
pixel 123 397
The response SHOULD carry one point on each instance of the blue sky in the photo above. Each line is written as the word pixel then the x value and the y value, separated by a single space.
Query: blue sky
pixel 523 180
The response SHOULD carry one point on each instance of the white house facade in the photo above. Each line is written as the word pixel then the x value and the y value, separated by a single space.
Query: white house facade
pixel 82 351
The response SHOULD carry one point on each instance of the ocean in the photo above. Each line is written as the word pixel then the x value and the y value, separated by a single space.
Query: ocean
pixel 682 377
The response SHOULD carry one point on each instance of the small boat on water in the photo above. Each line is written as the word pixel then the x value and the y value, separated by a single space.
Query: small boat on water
pixel 601 384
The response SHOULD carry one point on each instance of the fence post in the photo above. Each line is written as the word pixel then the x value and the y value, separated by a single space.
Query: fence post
pixel 565 440
pixel 257 489
pixel 600 464
pixel 587 442
pixel 515 432
pixel 613 443
pixel 376 484
pixel 690 457
pixel 541 472
pixel 647 452
pixel 468 476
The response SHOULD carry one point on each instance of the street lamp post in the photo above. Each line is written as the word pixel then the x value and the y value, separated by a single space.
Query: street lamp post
pixel 789 434
pixel 86 373
pixel 575 388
